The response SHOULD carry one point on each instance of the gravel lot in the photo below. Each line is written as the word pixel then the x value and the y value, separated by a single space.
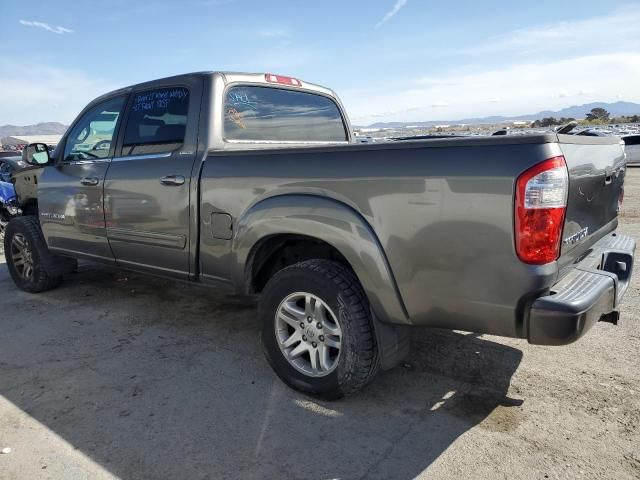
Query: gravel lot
pixel 116 375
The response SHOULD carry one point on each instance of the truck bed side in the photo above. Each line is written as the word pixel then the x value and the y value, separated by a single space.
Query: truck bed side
pixel 441 210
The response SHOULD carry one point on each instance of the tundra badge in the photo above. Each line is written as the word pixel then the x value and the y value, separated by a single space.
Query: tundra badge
pixel 576 237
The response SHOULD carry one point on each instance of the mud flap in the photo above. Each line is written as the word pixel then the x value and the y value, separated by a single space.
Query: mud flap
pixel 393 342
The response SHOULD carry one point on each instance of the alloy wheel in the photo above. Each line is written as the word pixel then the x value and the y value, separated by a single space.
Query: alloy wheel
pixel 308 333
pixel 21 256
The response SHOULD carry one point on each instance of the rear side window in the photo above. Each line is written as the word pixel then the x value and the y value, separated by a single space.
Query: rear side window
pixel 632 140
pixel 273 114
pixel 157 121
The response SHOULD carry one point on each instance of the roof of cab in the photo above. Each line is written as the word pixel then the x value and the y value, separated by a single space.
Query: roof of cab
pixel 227 76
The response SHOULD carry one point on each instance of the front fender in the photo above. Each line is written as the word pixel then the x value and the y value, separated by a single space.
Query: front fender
pixel 332 222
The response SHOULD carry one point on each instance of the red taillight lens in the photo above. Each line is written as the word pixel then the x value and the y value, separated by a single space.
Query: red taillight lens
pixel 541 202
pixel 281 79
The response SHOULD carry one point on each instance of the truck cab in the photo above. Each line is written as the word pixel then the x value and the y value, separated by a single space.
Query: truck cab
pixel 122 186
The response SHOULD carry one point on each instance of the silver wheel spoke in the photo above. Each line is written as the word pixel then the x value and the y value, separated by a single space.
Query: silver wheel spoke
pixel 295 311
pixel 309 303
pixel 329 342
pixel 296 337
pixel 325 360
pixel 18 242
pixel 313 355
pixel 299 350
pixel 332 329
pixel 285 317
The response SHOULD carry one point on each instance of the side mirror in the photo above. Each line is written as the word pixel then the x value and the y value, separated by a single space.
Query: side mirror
pixel 36 154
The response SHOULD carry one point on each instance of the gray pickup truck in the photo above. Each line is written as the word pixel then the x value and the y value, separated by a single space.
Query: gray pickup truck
pixel 252 181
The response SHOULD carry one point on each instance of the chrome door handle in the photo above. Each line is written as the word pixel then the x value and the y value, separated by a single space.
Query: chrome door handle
pixel 172 180
pixel 90 181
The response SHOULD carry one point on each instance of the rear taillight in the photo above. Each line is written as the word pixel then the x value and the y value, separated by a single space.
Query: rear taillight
pixel 541 202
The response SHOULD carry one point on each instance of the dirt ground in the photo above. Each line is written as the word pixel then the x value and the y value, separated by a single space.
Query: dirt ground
pixel 117 375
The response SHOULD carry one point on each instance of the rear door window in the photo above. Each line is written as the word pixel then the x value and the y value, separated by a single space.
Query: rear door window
pixel 157 121
pixel 275 114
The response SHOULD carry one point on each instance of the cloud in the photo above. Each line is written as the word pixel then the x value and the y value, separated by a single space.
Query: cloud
pixel 58 29
pixel 561 37
pixel 29 95
pixel 274 33
pixel 391 13
pixel 522 88
pixel 529 70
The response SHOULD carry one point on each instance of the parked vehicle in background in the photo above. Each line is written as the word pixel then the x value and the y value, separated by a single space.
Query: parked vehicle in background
pixel 8 201
pixel 253 182
pixel 632 149
pixel 594 132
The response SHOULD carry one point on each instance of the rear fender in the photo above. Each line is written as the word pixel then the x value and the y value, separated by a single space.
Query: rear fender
pixel 332 222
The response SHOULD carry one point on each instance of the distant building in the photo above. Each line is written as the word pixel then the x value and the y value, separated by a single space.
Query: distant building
pixel 16 140
pixel 521 123
pixel 367 130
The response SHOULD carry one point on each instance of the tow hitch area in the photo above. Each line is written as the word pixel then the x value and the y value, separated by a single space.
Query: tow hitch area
pixel 611 317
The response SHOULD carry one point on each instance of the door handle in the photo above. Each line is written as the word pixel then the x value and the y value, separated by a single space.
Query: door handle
pixel 90 181
pixel 173 180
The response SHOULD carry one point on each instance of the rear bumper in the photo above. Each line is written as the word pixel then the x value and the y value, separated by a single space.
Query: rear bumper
pixel 590 292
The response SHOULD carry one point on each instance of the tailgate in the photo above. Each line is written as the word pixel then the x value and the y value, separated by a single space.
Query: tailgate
pixel 596 177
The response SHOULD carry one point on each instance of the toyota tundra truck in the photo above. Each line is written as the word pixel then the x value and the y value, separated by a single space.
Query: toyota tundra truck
pixel 252 182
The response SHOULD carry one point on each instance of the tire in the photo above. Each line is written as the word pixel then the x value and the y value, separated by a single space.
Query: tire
pixel 3 226
pixel 342 313
pixel 46 269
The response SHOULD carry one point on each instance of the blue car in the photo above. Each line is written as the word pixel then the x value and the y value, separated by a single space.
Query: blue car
pixel 8 208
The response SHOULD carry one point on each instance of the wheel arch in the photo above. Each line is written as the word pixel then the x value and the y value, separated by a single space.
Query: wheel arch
pixel 338 230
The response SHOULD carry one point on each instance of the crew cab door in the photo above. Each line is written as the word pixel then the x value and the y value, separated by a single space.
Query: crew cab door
pixel 148 184
pixel 70 193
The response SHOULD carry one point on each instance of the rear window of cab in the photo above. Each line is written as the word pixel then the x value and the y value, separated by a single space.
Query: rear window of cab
pixel 281 115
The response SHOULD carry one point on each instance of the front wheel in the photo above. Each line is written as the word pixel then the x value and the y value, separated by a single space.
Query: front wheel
pixel 317 332
pixel 28 258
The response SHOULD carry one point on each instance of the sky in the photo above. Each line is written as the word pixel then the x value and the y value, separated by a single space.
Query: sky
pixel 389 60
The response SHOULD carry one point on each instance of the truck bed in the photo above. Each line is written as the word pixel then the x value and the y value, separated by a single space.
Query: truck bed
pixel 441 211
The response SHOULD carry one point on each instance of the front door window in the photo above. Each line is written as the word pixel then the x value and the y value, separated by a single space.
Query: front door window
pixel 93 136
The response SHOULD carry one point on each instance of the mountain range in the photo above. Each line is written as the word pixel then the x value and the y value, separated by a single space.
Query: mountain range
pixel 615 109
pixel 45 128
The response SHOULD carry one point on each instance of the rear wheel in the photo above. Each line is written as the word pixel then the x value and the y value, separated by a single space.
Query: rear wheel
pixel 33 268
pixel 317 332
